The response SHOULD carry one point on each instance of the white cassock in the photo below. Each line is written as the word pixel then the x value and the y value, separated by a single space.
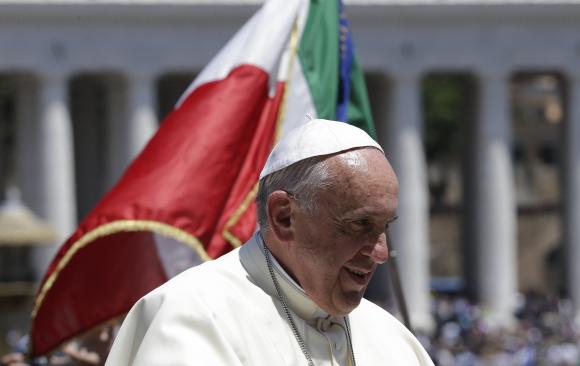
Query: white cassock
pixel 227 312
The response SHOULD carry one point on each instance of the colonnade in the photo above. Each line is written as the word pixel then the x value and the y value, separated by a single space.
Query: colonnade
pixel 52 43
pixel 494 216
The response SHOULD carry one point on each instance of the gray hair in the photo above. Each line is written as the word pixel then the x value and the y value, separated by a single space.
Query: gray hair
pixel 303 179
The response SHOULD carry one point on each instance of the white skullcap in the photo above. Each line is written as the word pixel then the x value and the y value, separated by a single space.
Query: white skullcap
pixel 315 138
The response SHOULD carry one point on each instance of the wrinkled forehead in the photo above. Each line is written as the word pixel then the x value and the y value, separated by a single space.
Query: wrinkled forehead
pixel 364 184
pixel 361 169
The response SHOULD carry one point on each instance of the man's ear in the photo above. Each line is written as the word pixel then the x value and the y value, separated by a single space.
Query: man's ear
pixel 279 210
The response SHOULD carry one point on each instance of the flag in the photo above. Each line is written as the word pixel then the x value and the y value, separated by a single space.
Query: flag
pixel 188 197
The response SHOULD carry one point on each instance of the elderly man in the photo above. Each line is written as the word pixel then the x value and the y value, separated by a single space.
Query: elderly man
pixel 293 294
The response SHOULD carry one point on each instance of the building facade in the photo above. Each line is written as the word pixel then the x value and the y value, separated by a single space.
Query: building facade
pixel 88 83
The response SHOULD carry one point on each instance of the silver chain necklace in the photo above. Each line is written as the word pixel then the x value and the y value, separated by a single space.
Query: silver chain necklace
pixel 290 319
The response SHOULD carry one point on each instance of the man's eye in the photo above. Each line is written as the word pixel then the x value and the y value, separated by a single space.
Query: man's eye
pixel 360 224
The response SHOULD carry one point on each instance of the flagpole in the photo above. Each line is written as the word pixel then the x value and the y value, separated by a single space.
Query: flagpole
pixel 395 280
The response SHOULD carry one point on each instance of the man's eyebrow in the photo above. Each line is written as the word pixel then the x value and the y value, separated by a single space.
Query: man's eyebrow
pixel 363 213
pixel 393 219
pixel 366 214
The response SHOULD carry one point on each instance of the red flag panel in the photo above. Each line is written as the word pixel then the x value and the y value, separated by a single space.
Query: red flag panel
pixel 190 180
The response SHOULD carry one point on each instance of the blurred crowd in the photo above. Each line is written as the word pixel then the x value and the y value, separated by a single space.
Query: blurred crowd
pixel 544 333
pixel 89 349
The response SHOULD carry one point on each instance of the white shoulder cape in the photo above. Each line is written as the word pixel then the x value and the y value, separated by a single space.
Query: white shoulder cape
pixel 219 314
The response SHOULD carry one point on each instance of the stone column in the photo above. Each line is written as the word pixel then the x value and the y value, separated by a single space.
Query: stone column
pixel 28 165
pixel 495 206
pixel 116 154
pixel 409 234
pixel 57 177
pixel 141 107
pixel 571 196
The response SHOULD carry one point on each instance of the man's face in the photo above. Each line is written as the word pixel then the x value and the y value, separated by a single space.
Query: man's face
pixel 338 247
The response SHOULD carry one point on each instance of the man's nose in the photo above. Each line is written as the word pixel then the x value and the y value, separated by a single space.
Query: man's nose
pixel 378 250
